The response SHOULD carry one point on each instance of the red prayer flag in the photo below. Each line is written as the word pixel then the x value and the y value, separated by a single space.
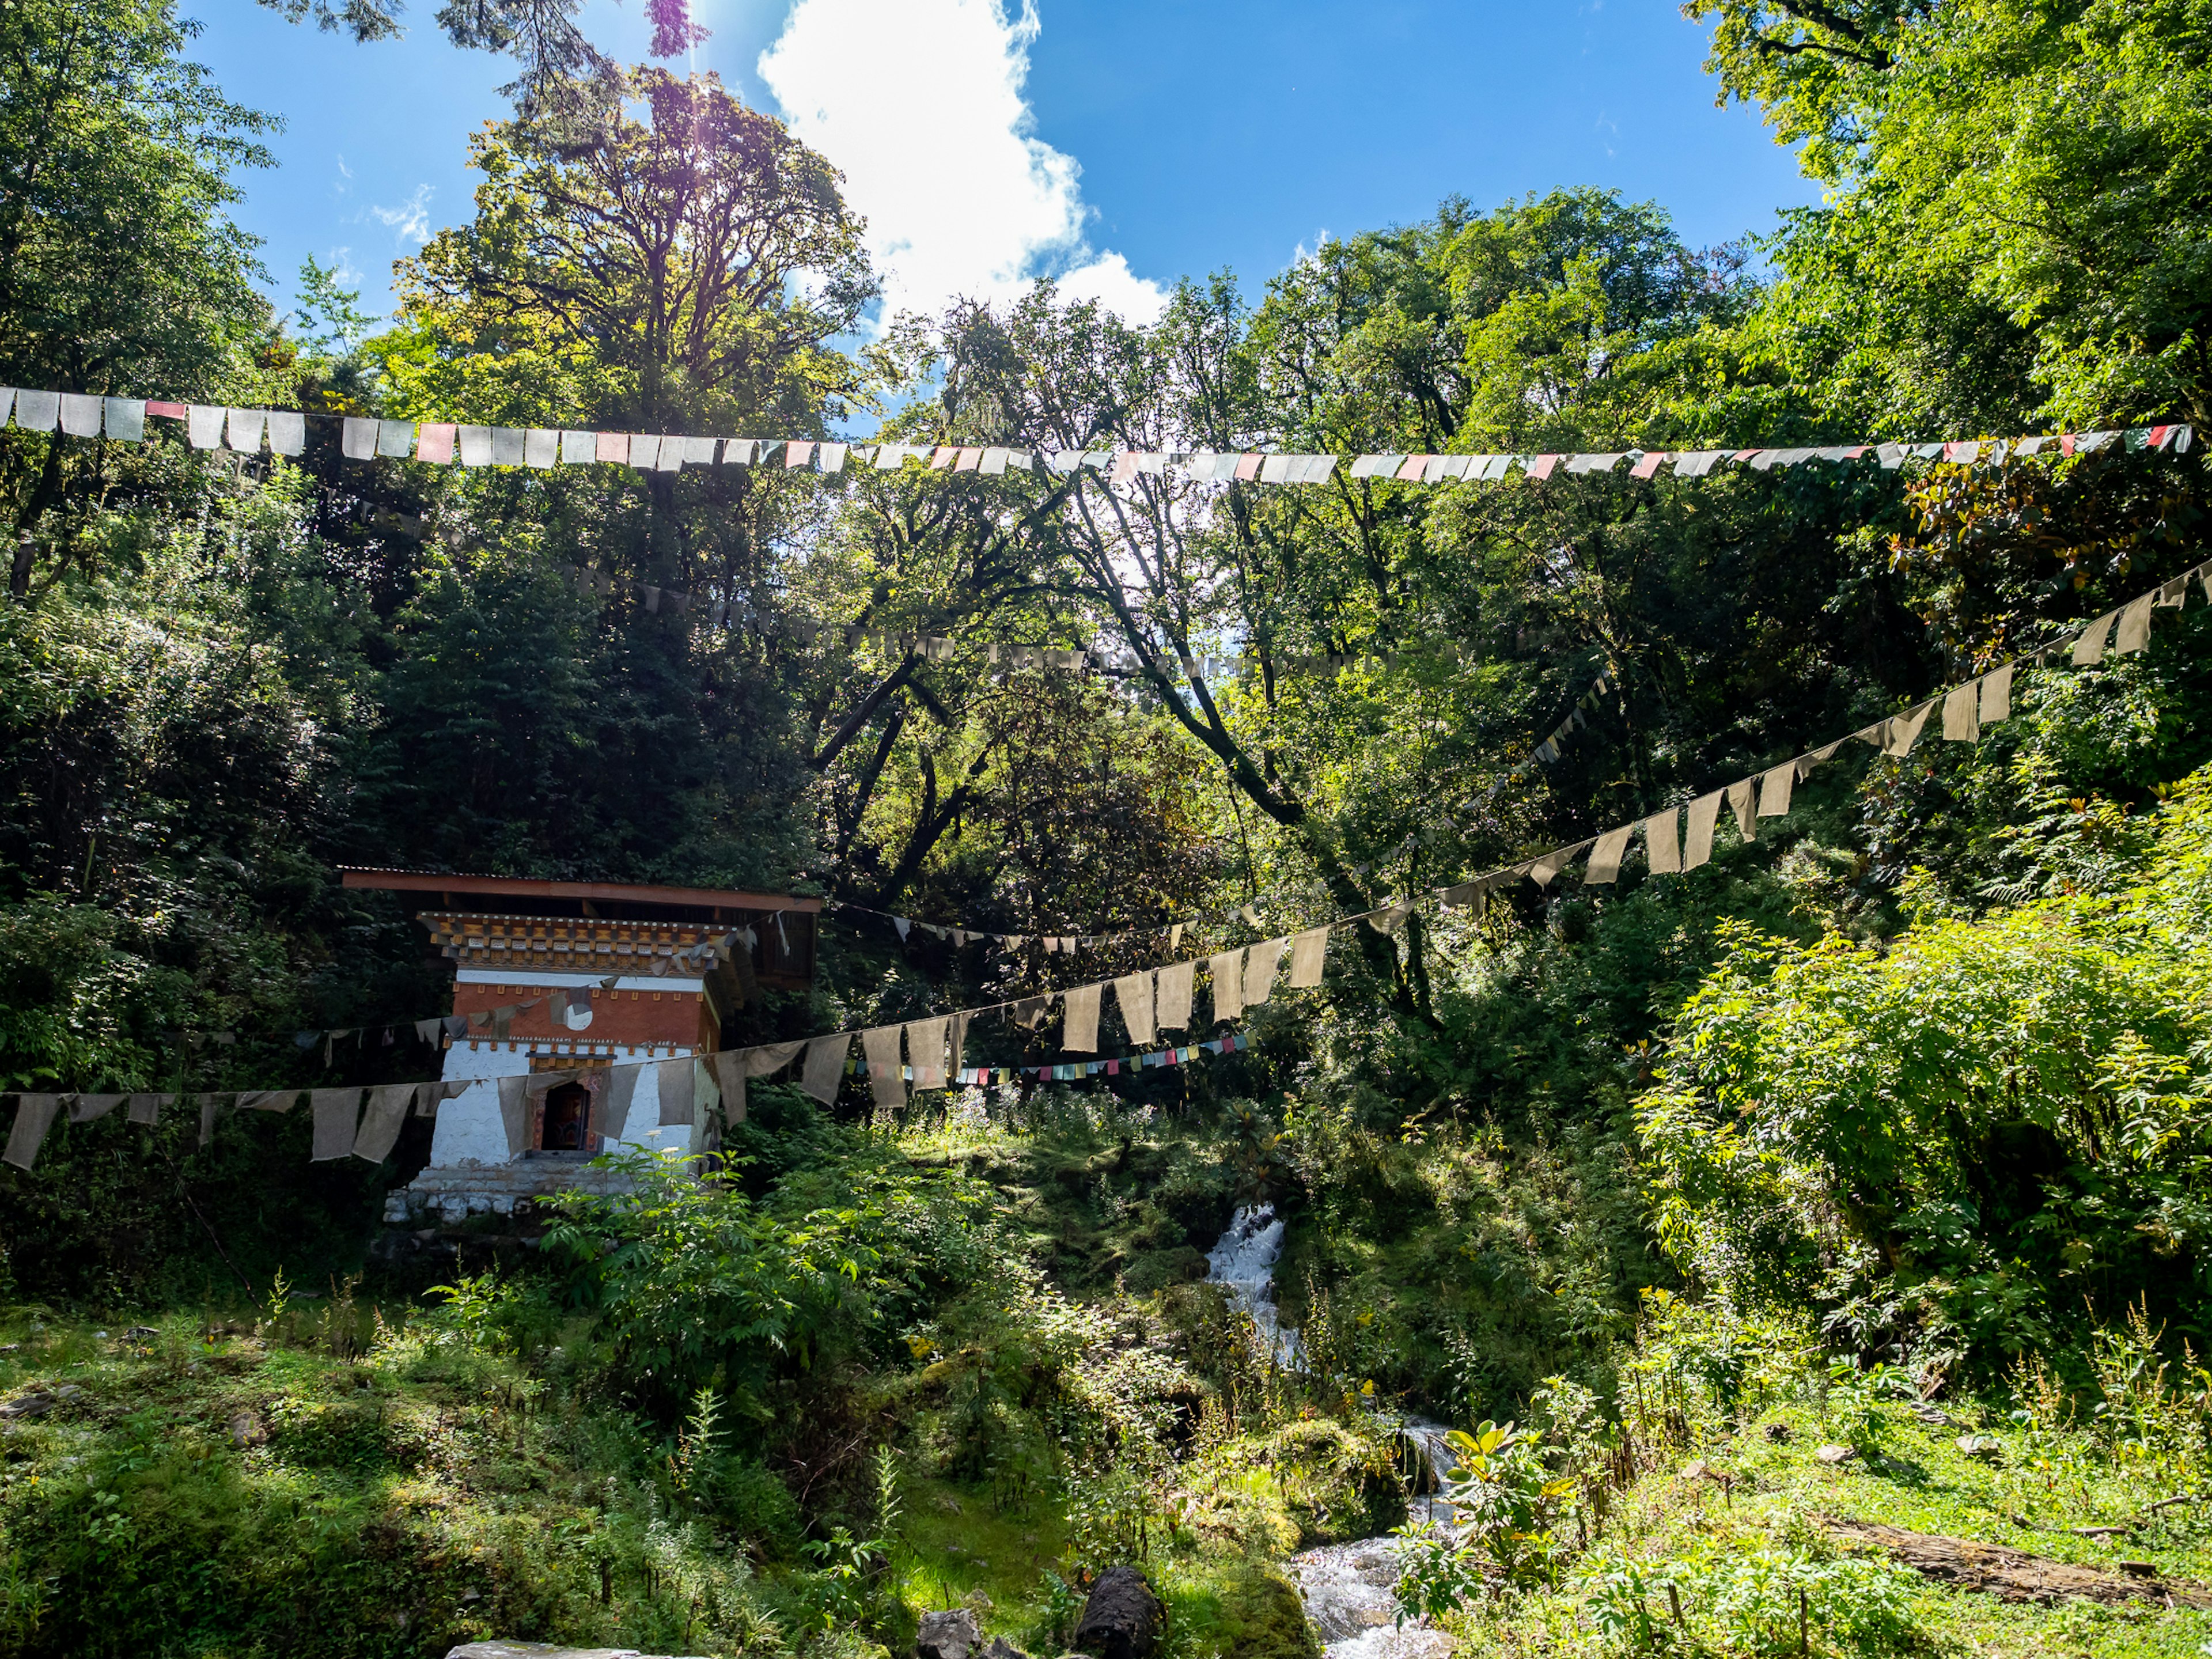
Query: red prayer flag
pixel 1649 465
pixel 174 411
pixel 1540 466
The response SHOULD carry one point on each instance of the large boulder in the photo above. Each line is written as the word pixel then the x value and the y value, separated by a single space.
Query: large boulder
pixel 949 1635
pixel 1122 1619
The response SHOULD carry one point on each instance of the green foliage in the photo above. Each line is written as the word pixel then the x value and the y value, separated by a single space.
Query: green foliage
pixel 1961 1137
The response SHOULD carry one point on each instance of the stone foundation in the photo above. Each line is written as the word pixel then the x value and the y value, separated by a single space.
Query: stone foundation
pixel 453 1192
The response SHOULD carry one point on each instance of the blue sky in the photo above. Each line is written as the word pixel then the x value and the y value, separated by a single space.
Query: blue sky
pixel 1116 146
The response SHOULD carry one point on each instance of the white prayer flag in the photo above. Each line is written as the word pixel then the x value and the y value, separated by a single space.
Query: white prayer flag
pixel 509 444
pixel 1901 732
pixel 2089 649
pixel 34 1115
pixel 1698 844
pixel 1276 468
pixel 395 439
pixel 886 1071
pixel 1774 790
pixel 288 430
pixel 381 1123
pixel 643 453
pixel 1661 844
pixel 824 1067
pixel 1259 964
pixel 578 447
pixel 2133 633
pixel 1173 995
pixel 1996 695
pixel 126 419
pixel 244 430
pixel 1132 994
pixel 541 446
pixel 678 1091
pixel 202 423
pixel 1740 803
pixel 1227 972
pixel 335 1122
pixel 1962 720
pixel 513 1114
pixel 37 411
pixel 79 415
pixel 358 440
pixel 925 1052
pixel 1605 858
pixel 1079 1024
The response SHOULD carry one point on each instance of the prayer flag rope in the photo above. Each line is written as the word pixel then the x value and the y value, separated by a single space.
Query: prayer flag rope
pixel 926 1052
pixel 445 442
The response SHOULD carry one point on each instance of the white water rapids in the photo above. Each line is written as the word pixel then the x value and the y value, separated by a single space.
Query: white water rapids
pixel 1346 1588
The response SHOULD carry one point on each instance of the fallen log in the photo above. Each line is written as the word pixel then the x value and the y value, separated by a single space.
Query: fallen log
pixel 2012 1575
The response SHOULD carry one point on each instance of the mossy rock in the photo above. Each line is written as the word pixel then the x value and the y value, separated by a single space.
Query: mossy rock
pixel 1155 1270
pixel 1263 1618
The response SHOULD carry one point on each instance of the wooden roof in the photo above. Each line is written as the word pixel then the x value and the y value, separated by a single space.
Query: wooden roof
pixel 512 890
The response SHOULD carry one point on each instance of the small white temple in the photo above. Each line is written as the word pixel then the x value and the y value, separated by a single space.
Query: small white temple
pixel 625 997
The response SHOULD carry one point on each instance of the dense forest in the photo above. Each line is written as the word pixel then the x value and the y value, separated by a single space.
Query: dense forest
pixel 1893 1115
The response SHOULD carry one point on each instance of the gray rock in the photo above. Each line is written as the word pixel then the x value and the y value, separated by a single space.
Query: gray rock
pixel 1122 1618
pixel 950 1635
pixel 1002 1648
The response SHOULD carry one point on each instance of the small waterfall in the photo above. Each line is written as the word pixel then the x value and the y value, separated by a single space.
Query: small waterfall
pixel 1346 1588
pixel 1243 1262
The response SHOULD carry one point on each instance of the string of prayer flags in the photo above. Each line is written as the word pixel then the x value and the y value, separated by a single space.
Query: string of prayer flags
pixel 440 443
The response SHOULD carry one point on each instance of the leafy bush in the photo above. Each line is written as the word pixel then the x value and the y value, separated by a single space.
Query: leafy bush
pixel 1962 1139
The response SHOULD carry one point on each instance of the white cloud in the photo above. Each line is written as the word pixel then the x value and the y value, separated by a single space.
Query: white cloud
pixel 919 103
pixel 411 221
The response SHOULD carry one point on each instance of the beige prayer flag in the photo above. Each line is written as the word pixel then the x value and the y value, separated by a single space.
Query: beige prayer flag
pixel 1774 790
pixel 925 1052
pixel 1996 695
pixel 1661 842
pixel 1308 951
pixel 212 1107
pixel 1078 1031
pixel 90 1109
pixel 678 1092
pixel 1739 796
pixel 34 1115
pixel 1172 1004
pixel 2089 649
pixel 381 1123
pixel 825 1068
pixel 514 1113
pixel 1962 714
pixel 2134 631
pixel 1903 731
pixel 1259 964
pixel 1697 843
pixel 886 1067
pixel 614 1114
pixel 1227 972
pixel 1605 858
pixel 958 1037
pixel 147 1108
pixel 1132 994
pixel 267 1100
pixel 1544 869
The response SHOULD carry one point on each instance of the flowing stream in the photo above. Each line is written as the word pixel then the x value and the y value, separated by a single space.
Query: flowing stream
pixel 1346 1588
